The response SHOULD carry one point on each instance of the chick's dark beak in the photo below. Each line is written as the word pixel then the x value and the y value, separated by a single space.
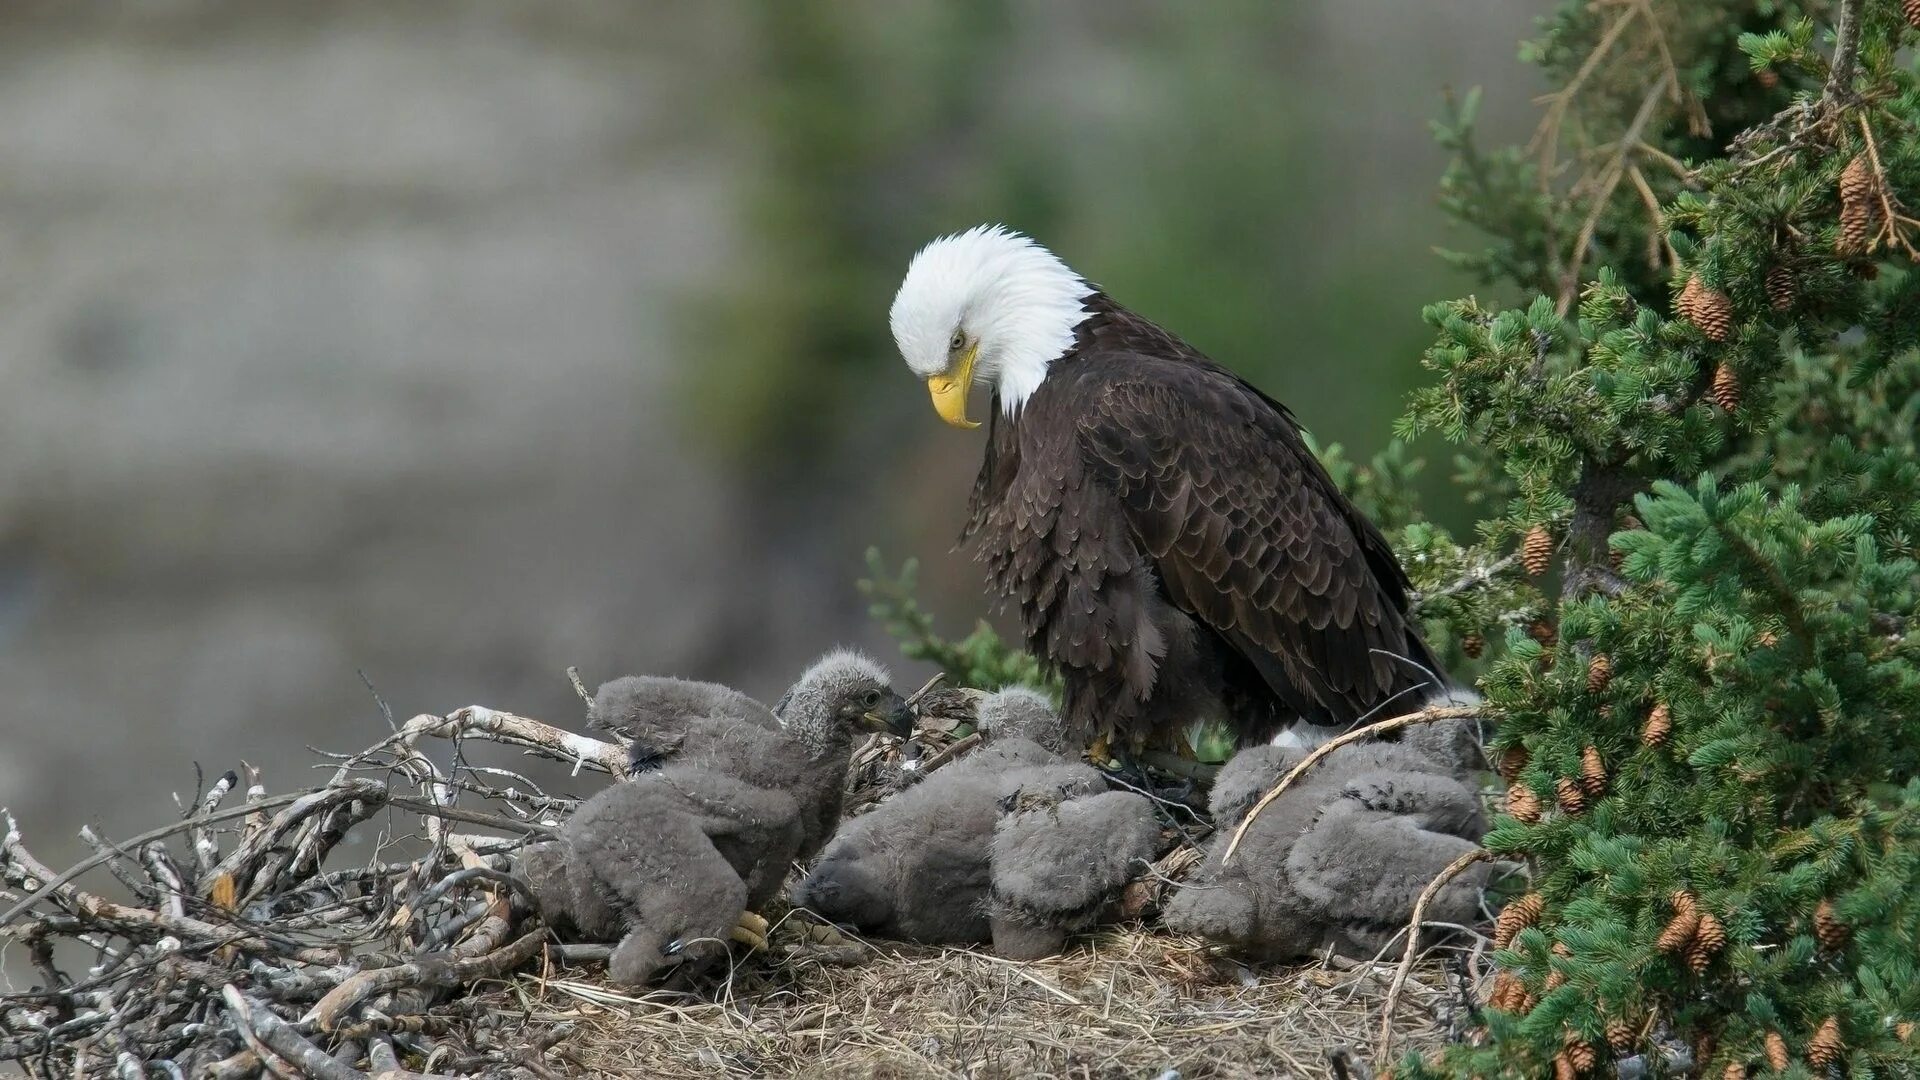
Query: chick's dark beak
pixel 893 716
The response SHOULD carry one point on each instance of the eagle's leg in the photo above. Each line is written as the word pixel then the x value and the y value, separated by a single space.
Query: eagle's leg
pixel 1143 771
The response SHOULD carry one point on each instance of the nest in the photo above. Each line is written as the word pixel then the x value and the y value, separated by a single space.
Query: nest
pixel 238 946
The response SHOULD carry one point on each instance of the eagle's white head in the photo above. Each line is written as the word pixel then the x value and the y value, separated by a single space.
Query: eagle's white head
pixel 986 306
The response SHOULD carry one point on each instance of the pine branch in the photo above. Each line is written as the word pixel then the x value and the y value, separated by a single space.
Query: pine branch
pixel 1846 55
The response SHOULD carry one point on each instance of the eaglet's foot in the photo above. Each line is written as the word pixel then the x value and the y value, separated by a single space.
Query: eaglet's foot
pixel 750 931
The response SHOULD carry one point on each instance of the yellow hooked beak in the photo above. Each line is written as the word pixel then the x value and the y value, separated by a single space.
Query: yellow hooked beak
pixel 949 389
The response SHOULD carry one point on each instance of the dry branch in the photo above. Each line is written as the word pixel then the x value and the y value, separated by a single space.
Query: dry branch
pixel 1453 870
pixel 438 972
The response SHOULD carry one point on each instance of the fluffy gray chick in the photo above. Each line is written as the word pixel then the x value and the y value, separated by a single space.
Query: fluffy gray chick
pixel 1340 857
pixel 673 858
pixel 999 715
pixel 661 718
pixel 1058 863
pixel 915 868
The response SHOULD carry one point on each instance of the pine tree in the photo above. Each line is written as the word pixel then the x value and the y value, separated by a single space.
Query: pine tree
pixel 1724 339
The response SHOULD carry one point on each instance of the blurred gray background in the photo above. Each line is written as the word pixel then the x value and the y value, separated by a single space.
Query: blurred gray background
pixel 458 342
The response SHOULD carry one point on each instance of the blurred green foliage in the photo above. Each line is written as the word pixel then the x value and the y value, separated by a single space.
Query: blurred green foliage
pixel 1170 154
pixel 982 659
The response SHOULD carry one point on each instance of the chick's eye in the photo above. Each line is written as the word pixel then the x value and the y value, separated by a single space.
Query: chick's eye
pixel 871 698
pixel 957 342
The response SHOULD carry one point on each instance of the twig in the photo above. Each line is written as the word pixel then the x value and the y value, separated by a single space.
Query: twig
pixel 87 864
pixel 952 751
pixel 1890 218
pixel 579 687
pixel 503 727
pixel 1475 577
pixel 914 698
pixel 1611 176
pixel 1427 894
pixel 1428 715
pixel 1546 136
pixel 205 851
pixel 437 972
pixel 266 1033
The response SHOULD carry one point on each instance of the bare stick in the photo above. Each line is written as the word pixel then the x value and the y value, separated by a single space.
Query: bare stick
pixel 1890 218
pixel 914 698
pixel 953 750
pixel 1570 283
pixel 1427 715
pixel 1475 577
pixel 1427 894
pixel 166 876
pixel 274 1035
pixel 478 721
pixel 205 851
pixel 432 971
pixel 580 688
pixel 85 865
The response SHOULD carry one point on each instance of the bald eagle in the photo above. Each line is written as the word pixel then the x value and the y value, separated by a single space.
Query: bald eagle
pixel 1177 552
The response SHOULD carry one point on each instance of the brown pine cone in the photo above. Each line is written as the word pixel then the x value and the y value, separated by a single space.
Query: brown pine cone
pixel 1708 939
pixel 1563 1067
pixel 1512 760
pixel 1707 308
pixel 1828 928
pixel 1523 804
pixel 1599 673
pixel 1777 1057
pixel 1725 391
pixel 1515 917
pixel 1543 632
pixel 1826 1046
pixel 1712 933
pixel 1536 550
pixel 1555 980
pixel 1659 726
pixel 1911 8
pixel 1683 902
pixel 1583 1055
pixel 1735 1071
pixel 1904 1029
pixel 1767 78
pixel 1570 795
pixel 1781 291
pixel 1593 771
pixel 1856 180
pixel 1473 645
pixel 1678 932
pixel 1858 209
pixel 1507 992
pixel 1621 1037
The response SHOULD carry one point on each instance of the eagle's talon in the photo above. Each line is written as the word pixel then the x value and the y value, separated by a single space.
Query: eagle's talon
pixel 750 931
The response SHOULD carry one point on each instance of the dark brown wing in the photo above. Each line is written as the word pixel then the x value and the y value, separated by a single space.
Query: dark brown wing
pixel 1248 533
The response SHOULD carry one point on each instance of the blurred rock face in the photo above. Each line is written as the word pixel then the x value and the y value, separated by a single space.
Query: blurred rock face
pixel 344 345
pixel 347 337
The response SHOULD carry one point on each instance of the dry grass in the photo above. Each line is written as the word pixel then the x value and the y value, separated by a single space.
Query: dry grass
pixel 1124 1004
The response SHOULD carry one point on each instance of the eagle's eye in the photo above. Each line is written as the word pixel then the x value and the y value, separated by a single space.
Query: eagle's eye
pixel 870 698
pixel 958 341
